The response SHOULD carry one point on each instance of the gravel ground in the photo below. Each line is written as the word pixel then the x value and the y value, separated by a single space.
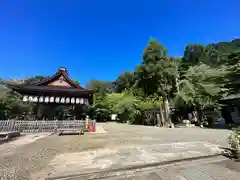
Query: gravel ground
pixel 31 158
pixel 122 133
pixel 27 161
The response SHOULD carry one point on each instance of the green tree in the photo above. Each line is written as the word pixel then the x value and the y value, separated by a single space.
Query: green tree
pixel 125 81
pixel 99 110
pixel 129 106
pixel 35 80
pixel 12 105
pixel 193 55
pixel 100 87
pixel 157 74
pixel 234 73
pixel 202 87
pixel 218 53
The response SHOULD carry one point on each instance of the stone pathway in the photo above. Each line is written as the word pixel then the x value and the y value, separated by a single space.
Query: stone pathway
pixel 207 169
pixel 125 157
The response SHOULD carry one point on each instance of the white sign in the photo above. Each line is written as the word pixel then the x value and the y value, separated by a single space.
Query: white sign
pixel 113 116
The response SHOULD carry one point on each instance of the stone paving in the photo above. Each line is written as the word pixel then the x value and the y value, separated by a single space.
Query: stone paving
pixel 123 157
pixel 203 169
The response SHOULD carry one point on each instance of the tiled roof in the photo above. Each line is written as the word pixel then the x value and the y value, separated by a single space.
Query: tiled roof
pixel 47 88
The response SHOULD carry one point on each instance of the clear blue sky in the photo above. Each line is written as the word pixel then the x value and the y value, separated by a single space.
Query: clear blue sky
pixel 99 39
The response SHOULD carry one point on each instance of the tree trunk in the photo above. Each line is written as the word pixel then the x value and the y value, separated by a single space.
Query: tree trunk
pixel 167 111
pixel 199 116
pixel 162 121
pixel 158 120
pixel 196 116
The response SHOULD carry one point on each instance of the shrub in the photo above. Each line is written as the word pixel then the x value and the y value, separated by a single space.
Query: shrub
pixel 234 142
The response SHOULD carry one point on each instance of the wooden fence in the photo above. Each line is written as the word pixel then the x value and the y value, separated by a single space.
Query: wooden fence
pixel 42 126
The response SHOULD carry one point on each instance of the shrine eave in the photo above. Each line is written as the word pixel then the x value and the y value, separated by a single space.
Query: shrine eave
pixel 49 89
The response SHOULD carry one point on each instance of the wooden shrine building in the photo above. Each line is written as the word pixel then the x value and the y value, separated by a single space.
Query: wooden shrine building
pixel 57 91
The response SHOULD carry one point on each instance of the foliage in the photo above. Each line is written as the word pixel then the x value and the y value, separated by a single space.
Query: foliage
pixel 13 106
pixel 222 69
pixel 201 86
pixel 123 104
pixel 3 91
pixel 234 73
pixel 196 81
pixel 156 74
pixel 234 142
pixel 99 110
pixel 194 53
pixel 35 80
pixel 100 87
pixel 124 82
pixel 212 54
pixel 130 107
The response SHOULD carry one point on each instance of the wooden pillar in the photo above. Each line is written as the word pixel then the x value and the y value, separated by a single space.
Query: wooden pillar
pixel 37 111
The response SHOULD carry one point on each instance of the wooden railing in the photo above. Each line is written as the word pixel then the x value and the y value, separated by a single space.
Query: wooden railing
pixel 43 126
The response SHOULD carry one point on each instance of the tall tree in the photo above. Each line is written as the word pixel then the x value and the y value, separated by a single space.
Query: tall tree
pixel 193 53
pixel 156 74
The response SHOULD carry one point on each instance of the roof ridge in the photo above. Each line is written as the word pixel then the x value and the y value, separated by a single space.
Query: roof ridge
pixel 61 71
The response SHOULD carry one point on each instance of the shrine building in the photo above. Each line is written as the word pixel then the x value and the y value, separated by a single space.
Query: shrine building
pixel 58 90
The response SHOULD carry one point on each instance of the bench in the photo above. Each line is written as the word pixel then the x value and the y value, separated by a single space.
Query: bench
pixel 68 131
pixel 7 136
